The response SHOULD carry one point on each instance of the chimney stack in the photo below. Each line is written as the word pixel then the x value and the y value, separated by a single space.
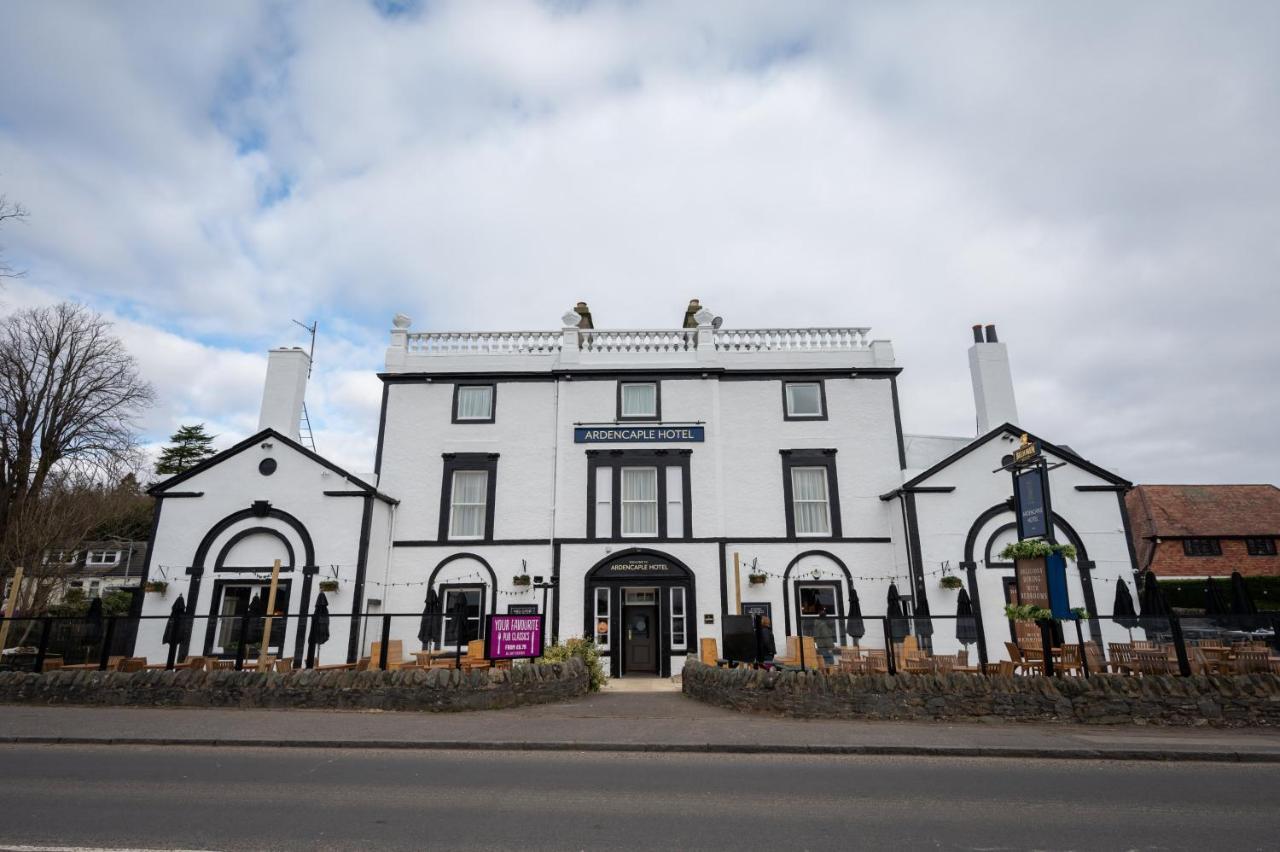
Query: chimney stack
pixel 585 315
pixel 992 380
pixel 284 389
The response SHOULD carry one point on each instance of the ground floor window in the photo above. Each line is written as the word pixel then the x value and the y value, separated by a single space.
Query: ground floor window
pixel 459 628
pixel 819 605
pixel 678 640
pixel 602 619
pixel 233 608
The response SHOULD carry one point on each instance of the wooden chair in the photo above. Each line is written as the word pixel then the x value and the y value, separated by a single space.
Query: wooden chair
pixel 707 651
pixel 1093 656
pixel 223 665
pixel 474 658
pixel 285 665
pixel 132 664
pixel 1022 661
pixel 1151 662
pixel 395 655
pixel 1070 661
pixel 1004 668
pixel 1121 657
pixel 1249 662
pixel 792 657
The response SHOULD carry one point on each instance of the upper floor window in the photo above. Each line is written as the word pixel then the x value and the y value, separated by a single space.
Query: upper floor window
pixel 804 401
pixel 1260 546
pixel 466 497
pixel 473 403
pixel 60 557
pixel 639 501
pixel 809 501
pixel 638 401
pixel 1201 547
pixel 811 493
pixel 102 557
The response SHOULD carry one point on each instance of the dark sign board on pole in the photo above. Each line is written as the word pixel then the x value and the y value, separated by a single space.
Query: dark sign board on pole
pixel 1030 494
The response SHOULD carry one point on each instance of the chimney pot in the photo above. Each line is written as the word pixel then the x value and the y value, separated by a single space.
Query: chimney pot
pixel 977 333
pixel 991 334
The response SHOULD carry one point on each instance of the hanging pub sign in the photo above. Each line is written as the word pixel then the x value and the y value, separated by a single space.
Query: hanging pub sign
pixel 510 637
pixel 1028 450
pixel 1031 496
pixel 638 434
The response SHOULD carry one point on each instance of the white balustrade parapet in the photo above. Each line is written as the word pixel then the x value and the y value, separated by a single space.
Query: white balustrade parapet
pixel 482 342
pixel 791 339
pixel 570 346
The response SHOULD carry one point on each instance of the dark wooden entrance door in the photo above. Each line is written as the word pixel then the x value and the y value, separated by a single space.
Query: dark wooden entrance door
pixel 641 639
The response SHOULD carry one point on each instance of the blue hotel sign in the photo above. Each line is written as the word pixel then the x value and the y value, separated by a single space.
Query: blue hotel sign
pixel 638 434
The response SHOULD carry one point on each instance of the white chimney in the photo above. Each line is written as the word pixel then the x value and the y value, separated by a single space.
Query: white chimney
pixel 992 380
pixel 284 389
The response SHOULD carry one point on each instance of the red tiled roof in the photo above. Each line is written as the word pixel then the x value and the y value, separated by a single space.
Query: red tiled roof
pixel 1207 510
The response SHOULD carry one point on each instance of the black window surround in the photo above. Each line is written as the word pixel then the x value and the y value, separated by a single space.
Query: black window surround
pixel 467 461
pixel 1202 547
pixel 618 459
pixel 1260 546
pixel 822 400
pixel 493 402
pixel 657 400
pixel 811 458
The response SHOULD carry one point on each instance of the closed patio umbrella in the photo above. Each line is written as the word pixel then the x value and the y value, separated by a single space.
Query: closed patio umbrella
pixel 1243 610
pixel 173 624
pixel 1122 610
pixel 319 628
pixel 254 621
pixel 924 625
pixel 1155 610
pixel 1215 605
pixel 855 627
pixel 429 629
pixel 898 628
pixel 966 623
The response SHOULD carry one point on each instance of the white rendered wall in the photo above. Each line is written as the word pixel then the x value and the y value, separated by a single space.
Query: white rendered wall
pixel 297 488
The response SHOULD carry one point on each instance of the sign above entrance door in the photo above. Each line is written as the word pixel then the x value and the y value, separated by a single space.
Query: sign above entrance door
pixel 639 567
pixel 638 434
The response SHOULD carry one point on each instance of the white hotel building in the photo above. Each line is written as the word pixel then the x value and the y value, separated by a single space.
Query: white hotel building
pixel 622 472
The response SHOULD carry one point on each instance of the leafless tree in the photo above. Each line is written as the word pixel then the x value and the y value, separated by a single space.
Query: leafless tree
pixel 9 211
pixel 70 396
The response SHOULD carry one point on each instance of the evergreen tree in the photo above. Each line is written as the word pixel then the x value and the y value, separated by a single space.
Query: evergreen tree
pixel 188 447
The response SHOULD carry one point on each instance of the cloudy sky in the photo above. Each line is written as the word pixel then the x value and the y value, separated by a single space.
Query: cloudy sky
pixel 1102 181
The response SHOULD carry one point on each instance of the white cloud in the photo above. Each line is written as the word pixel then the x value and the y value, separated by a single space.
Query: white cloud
pixel 1097 180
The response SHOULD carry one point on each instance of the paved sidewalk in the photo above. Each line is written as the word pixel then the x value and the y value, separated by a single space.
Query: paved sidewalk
pixel 624 721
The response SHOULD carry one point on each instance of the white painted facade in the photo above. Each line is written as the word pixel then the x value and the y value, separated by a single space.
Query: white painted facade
pixel 531 500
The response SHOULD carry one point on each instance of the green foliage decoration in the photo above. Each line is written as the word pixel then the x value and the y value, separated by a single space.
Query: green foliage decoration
pixel 1035 548
pixel 952 582
pixel 583 649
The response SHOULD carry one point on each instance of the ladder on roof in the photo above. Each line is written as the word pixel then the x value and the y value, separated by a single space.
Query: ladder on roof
pixel 305 437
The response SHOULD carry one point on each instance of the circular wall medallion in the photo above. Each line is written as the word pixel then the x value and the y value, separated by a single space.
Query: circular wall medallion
pixel 266 467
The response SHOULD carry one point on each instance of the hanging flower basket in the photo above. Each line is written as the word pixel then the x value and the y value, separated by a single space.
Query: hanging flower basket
pixel 952 582
pixel 520 580
pixel 329 586
pixel 1036 549
pixel 157 586
pixel 757 579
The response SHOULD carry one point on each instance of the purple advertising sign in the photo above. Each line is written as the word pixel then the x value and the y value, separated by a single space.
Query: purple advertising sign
pixel 510 637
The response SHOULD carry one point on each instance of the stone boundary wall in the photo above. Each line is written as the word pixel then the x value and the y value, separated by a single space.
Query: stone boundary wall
pixel 1234 701
pixel 432 690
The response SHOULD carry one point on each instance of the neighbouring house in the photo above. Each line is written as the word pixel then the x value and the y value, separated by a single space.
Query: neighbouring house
pixel 1203 531
pixel 99 567
pixel 607 479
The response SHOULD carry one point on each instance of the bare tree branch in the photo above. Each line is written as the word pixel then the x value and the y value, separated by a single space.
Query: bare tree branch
pixel 70 396
pixel 10 210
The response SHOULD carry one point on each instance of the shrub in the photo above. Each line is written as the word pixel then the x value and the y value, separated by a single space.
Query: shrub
pixel 1036 549
pixel 583 649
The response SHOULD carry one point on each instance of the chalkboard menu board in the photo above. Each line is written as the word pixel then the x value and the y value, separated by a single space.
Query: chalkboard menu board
pixel 1033 582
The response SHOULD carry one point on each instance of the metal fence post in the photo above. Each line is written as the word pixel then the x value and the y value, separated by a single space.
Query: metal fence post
pixel 171 657
pixel 1179 645
pixel 46 627
pixel 386 640
pixel 1046 644
pixel 244 638
pixel 1084 652
pixel 104 655
pixel 888 646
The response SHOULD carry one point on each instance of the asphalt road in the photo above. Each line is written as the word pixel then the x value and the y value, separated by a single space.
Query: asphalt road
pixel 243 798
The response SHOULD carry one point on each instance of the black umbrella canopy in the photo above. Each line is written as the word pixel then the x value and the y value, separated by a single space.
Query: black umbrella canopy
pixel 1241 601
pixel 429 628
pixel 1214 603
pixel 459 612
pixel 320 621
pixel 173 625
pixel 1155 610
pixel 924 625
pixel 855 627
pixel 897 624
pixel 1122 611
pixel 93 622
pixel 253 615
pixel 966 624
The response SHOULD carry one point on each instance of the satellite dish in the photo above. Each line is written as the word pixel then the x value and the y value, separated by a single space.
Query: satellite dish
pixel 717 322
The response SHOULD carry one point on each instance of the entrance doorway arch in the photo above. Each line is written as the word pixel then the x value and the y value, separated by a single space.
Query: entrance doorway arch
pixel 666 617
